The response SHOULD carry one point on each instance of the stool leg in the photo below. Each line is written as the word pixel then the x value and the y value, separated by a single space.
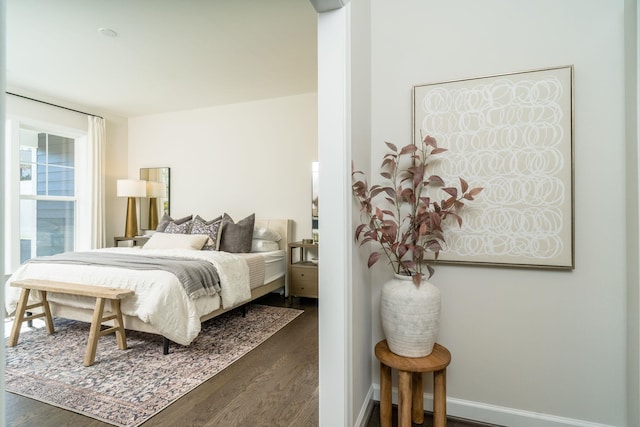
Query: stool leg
pixel 19 317
pixel 440 398
pixel 417 407
pixel 94 333
pixel 404 399
pixel 119 324
pixel 385 396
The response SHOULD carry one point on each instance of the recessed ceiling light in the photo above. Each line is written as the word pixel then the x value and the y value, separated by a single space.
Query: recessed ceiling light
pixel 107 32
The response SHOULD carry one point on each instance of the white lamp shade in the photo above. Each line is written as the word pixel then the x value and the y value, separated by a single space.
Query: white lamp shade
pixel 156 189
pixel 131 188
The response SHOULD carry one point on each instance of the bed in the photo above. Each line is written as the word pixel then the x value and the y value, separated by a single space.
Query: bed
pixel 160 304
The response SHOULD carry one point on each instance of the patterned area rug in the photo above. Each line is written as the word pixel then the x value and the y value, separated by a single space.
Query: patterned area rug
pixel 127 387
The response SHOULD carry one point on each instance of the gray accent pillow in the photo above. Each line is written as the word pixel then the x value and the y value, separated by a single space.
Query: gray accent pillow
pixel 209 228
pixel 236 237
pixel 174 228
pixel 166 219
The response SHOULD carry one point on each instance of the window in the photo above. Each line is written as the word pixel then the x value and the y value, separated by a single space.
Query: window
pixel 45 195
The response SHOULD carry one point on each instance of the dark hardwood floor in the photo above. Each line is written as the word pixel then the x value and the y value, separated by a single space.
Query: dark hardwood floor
pixel 276 384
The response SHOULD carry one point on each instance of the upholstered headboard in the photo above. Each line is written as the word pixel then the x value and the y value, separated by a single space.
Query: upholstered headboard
pixel 282 226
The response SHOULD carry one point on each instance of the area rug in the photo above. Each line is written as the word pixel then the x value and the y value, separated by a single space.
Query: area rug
pixel 127 387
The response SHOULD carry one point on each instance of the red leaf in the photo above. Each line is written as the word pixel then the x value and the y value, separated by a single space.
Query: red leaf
pixel 375 190
pixel 435 180
pixel 431 270
pixel 438 150
pixel 423 229
pixel 401 250
pixel 389 191
pixel 452 191
pixel 458 218
pixel 373 258
pixel 435 220
pixel 417 278
pixel 446 204
pixel 379 214
pixel 391 147
pixel 476 191
pixel 408 149
pixel 434 246
pixel 418 175
pixel 429 140
pixel 463 185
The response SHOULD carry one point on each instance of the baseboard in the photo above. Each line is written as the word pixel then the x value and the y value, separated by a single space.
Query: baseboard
pixel 365 411
pixel 494 414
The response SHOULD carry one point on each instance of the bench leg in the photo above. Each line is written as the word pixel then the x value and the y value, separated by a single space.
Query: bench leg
pixel 121 337
pixel 19 317
pixel 94 333
pixel 47 313
pixel 22 315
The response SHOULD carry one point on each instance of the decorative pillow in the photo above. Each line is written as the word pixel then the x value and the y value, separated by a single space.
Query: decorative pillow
pixel 236 237
pixel 210 229
pixel 161 240
pixel 183 228
pixel 259 245
pixel 264 233
pixel 166 219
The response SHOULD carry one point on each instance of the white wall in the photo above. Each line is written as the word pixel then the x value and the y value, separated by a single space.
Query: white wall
pixel 633 242
pixel 361 308
pixel 526 344
pixel 239 158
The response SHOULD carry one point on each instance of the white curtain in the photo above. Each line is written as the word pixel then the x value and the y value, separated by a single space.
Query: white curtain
pixel 96 142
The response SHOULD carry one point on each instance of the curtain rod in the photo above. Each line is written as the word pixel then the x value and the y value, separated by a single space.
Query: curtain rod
pixel 54 105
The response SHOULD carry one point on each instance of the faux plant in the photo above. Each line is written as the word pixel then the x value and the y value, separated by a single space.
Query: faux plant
pixel 400 218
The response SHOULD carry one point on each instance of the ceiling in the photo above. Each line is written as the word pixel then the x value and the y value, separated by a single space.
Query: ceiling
pixel 168 55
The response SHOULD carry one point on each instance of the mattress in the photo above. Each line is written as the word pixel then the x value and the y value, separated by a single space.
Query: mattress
pixel 265 267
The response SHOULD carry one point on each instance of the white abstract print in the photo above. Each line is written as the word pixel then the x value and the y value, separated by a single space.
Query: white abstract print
pixel 512 136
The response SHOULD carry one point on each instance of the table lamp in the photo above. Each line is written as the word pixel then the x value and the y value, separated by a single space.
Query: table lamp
pixel 155 190
pixel 131 188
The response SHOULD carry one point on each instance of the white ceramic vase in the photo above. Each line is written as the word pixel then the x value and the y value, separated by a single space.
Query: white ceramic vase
pixel 410 316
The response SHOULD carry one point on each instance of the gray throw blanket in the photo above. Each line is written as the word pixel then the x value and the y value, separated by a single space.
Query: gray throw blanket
pixel 198 277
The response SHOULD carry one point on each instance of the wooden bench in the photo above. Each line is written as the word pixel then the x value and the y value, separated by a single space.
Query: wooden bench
pixel 101 294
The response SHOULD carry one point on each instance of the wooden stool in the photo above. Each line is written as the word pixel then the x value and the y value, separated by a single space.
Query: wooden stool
pixel 410 369
pixel 101 294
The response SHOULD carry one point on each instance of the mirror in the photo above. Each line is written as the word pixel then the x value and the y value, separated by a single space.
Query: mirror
pixel 314 201
pixel 157 200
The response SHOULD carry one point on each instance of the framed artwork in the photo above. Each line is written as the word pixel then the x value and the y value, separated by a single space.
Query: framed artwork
pixel 513 135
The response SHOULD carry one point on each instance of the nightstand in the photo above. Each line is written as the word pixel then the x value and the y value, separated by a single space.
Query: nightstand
pixel 303 274
pixel 136 241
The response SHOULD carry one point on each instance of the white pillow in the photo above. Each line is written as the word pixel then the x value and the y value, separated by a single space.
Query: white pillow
pixel 264 233
pixel 176 241
pixel 258 245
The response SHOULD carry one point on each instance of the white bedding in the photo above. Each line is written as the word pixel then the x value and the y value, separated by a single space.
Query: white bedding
pixel 159 298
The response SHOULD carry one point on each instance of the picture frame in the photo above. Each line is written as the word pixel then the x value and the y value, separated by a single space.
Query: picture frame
pixel 513 135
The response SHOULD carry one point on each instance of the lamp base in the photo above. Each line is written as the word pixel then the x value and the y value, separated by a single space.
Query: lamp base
pixel 131 227
pixel 153 213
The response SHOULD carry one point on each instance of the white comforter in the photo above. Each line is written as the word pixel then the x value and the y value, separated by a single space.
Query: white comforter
pixel 159 299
